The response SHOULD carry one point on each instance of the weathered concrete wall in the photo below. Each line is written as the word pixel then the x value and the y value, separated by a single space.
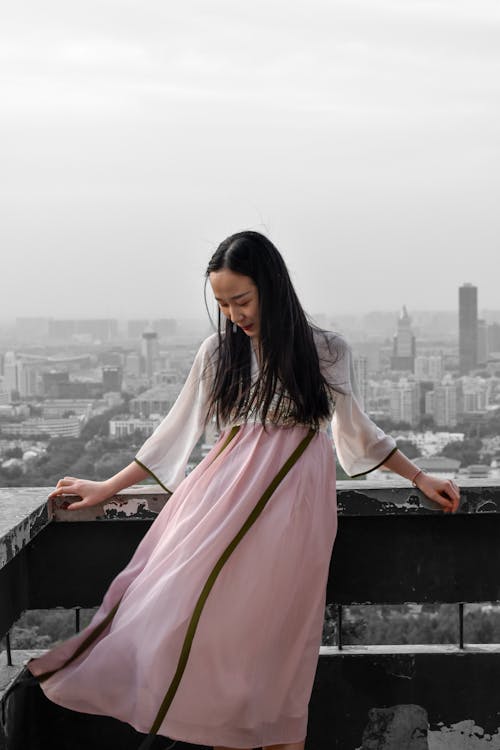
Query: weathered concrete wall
pixel 407 698
pixel 392 545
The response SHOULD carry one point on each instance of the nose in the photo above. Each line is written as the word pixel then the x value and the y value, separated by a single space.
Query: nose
pixel 235 315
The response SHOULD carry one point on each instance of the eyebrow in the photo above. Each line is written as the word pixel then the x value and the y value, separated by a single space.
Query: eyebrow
pixel 236 296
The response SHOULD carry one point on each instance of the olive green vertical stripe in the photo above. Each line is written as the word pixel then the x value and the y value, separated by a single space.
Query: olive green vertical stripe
pixel 188 640
pixel 85 644
pixel 232 434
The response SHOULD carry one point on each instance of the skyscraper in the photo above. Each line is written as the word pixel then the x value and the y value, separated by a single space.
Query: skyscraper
pixel 150 351
pixel 467 328
pixel 361 370
pixel 403 353
pixel 405 406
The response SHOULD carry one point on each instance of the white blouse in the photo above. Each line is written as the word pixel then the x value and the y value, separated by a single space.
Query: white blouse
pixel 361 446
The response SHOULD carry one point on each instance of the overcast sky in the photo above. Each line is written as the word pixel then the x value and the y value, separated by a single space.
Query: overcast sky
pixel 361 136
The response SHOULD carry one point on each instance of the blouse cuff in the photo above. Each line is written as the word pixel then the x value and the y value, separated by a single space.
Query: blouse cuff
pixel 153 475
pixel 367 471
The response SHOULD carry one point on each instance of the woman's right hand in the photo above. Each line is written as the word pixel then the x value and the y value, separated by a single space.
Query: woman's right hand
pixel 91 493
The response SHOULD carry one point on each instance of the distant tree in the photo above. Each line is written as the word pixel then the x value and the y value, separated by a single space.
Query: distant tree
pixel 111 463
pixel 99 425
pixel 11 472
pixel 41 628
pixel 408 448
pixel 467 452
pixel 15 452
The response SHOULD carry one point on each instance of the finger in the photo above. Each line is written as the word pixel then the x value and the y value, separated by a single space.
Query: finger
pixel 58 491
pixel 63 490
pixel 443 501
pixel 77 505
pixel 452 490
pixel 450 493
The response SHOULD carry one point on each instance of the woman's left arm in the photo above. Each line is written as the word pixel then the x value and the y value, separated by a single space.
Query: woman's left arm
pixel 442 491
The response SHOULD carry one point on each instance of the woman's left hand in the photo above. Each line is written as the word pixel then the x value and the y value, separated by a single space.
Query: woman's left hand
pixel 442 491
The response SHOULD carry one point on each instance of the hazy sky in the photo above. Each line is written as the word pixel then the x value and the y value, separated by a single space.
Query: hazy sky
pixel 362 136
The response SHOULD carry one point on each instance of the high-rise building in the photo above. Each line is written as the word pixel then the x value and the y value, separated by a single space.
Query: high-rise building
pixel 405 402
pixel 112 378
pixel 475 394
pixel 11 367
pixel 30 381
pixel 467 328
pixel 403 352
pixel 445 403
pixel 150 351
pixel 361 371
pixel 429 367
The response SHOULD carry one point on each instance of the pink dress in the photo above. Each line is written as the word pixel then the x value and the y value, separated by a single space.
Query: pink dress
pixel 211 633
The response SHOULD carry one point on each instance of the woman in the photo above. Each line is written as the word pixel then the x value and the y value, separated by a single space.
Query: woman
pixel 211 633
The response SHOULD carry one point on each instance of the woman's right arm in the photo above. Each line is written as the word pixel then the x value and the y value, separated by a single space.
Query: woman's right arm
pixel 93 493
pixel 165 453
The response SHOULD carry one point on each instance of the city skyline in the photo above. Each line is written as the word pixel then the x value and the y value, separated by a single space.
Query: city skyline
pixel 124 319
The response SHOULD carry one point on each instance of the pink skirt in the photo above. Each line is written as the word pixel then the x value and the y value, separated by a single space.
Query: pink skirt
pixel 211 633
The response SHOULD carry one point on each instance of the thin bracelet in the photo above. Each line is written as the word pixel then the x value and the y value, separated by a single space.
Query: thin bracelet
pixel 416 475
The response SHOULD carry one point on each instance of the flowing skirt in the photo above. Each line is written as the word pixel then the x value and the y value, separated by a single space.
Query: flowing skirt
pixel 211 633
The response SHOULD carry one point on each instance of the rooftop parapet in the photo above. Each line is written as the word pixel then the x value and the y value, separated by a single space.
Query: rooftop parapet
pixel 393 546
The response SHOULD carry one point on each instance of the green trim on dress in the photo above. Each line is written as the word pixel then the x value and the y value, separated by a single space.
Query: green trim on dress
pixel 232 433
pixel 153 475
pixel 362 473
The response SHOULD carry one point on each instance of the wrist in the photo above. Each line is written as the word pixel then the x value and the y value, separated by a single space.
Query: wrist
pixel 110 487
pixel 418 474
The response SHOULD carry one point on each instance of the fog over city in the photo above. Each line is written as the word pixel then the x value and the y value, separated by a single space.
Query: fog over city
pixel 361 136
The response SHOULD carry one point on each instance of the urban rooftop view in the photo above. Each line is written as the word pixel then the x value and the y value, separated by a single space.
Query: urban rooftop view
pixel 106 384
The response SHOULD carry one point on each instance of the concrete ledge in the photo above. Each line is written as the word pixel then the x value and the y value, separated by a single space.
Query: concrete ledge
pixel 399 497
pixel 24 512
pixel 410 648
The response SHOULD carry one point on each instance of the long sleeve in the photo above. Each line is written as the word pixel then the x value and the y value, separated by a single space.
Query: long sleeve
pixel 166 452
pixel 361 446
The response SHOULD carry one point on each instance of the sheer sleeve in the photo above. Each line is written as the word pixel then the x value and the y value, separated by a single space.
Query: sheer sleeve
pixel 166 452
pixel 360 445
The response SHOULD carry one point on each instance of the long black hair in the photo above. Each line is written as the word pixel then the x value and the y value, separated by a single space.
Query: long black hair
pixel 291 385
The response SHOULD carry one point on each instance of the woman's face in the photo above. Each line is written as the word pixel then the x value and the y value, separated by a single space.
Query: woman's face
pixel 238 299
